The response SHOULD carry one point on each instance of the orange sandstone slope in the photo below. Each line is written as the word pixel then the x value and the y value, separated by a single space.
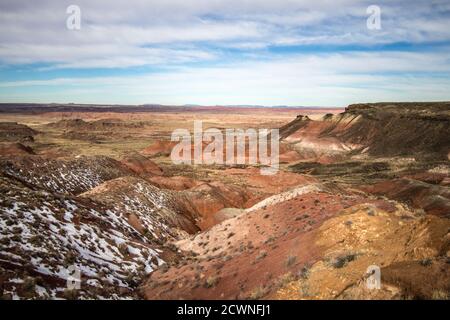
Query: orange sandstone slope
pixel 312 242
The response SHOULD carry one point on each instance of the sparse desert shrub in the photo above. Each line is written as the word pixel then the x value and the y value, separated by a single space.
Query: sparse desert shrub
pixel 70 258
pixel 133 278
pixel 195 285
pixel 426 262
pixel 70 294
pixel 123 249
pixel 36 239
pixel 304 271
pixel 269 240
pixel 17 230
pixel 8 203
pixel 91 246
pixel 59 214
pixel 29 284
pixel 28 288
pixel 262 254
pixel 5 241
pixel 440 295
pixel 290 260
pixel 211 281
pixel 230 235
pixel 285 279
pixel 343 260
pixel 148 234
pixel 257 293
pixel 304 290
pixel 39 281
pixel 36 222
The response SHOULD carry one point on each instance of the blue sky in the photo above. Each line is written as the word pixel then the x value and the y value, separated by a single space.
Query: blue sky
pixel 212 52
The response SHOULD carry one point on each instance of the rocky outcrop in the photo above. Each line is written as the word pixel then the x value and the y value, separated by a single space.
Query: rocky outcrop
pixel 382 129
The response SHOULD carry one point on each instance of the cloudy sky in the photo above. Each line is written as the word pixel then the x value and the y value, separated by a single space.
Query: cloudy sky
pixel 209 52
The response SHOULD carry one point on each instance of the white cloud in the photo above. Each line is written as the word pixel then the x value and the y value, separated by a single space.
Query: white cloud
pixel 36 32
pixel 171 34
pixel 333 79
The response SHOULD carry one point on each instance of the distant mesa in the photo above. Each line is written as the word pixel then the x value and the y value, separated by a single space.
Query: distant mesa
pixel 379 129
pixel 97 125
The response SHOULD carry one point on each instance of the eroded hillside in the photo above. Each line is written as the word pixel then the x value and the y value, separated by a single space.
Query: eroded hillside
pixel 368 186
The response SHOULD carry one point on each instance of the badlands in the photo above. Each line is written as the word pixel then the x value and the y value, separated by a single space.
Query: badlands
pixel 93 189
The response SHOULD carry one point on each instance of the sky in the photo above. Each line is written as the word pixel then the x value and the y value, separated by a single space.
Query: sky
pixel 224 52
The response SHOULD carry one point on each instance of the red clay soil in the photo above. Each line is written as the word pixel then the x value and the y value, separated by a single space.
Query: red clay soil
pixel 433 199
pixel 289 157
pixel 288 154
pixel 164 148
pixel 13 149
pixel 231 188
pixel 209 198
pixel 429 177
pixel 265 185
pixel 177 183
pixel 159 147
pixel 248 256
pixel 141 165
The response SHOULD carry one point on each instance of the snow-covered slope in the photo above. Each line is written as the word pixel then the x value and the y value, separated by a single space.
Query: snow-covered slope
pixel 72 176
pixel 159 211
pixel 43 235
